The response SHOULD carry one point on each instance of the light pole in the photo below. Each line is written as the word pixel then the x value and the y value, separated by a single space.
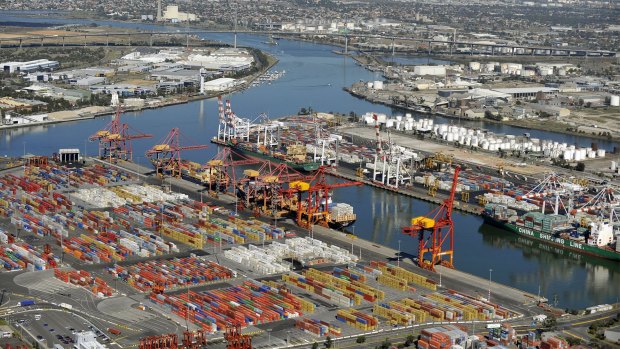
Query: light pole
pixel 439 276
pixel 398 255
pixel 352 239
pixel 24 158
pixel 490 272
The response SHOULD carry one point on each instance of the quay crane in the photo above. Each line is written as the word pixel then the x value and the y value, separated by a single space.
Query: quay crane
pixel 221 169
pixel 261 189
pixel 314 209
pixel 115 139
pixel 440 243
pixel 166 156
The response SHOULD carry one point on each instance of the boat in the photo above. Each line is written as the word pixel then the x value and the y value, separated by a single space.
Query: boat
pixel 558 230
pixel 293 158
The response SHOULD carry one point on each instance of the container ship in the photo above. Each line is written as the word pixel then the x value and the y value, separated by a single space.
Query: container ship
pixel 596 239
pixel 293 155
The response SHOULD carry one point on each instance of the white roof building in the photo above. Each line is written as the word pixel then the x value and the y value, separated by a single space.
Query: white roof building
pixel 87 340
pixel 220 84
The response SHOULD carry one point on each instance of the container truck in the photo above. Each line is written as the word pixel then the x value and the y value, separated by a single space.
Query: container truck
pixel 114 331
pixel 26 302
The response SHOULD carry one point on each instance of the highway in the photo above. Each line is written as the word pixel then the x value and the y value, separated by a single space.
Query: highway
pixel 39 40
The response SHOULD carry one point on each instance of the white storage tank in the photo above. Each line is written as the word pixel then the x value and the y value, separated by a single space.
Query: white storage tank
pixel 378 85
pixel 600 153
pixel 614 165
pixel 614 101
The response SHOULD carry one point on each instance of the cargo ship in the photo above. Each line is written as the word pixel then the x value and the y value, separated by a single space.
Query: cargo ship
pixel 294 155
pixel 597 239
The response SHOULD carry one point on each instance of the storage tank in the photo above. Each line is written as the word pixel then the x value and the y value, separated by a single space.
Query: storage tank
pixel 614 165
pixel 600 153
pixel 369 84
pixel 614 101
pixel 378 85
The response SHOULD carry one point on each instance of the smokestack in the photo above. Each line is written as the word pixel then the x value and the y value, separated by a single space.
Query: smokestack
pixel 159 10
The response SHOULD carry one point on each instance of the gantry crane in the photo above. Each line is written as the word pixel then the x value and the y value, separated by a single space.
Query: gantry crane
pixel 440 242
pixel 115 140
pixel 260 189
pixel 221 170
pixel 236 340
pixel 166 156
pixel 313 210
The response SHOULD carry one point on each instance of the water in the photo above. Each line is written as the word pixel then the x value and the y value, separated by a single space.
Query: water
pixel 315 78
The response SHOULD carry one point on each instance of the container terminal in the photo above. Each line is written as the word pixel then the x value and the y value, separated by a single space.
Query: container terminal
pixel 142 258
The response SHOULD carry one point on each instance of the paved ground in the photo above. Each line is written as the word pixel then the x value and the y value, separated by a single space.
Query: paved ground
pixel 427 146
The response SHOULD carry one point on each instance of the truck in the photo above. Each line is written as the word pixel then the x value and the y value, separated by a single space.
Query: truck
pixel 114 331
pixel 66 306
pixel 26 302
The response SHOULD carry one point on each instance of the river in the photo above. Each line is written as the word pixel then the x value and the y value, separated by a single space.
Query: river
pixel 315 78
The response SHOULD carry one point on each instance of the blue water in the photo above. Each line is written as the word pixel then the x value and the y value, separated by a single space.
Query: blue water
pixel 315 78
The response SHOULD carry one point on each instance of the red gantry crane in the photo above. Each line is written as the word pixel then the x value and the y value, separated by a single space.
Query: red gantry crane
pixel 236 340
pixel 440 243
pixel 314 209
pixel 166 156
pixel 222 169
pixel 115 139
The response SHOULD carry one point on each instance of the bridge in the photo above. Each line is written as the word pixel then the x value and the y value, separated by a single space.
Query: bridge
pixel 453 46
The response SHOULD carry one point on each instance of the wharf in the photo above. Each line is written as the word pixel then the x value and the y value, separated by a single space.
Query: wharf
pixel 458 280
pixel 409 191
pixel 361 134
pixel 464 280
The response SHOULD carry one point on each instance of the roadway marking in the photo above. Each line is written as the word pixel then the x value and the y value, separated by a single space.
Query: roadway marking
pixel 574 335
pixel 588 321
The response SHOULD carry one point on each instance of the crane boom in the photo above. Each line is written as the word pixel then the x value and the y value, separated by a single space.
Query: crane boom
pixel 440 242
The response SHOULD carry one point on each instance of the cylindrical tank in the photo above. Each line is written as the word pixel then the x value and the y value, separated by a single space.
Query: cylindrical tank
pixel 614 165
pixel 378 85
pixel 600 153
pixel 614 101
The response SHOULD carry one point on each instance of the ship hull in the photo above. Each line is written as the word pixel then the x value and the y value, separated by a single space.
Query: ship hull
pixel 340 225
pixel 304 166
pixel 549 239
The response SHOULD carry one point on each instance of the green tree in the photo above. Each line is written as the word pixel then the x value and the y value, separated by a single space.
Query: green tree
pixel 580 166
pixel 328 342
pixel 360 339
pixel 315 345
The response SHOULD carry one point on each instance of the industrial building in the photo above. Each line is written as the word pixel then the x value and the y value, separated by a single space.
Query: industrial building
pixel 172 14
pixel 529 92
pixel 221 84
pixel 87 340
pixel 30 66
pixel 15 119
pixel 429 70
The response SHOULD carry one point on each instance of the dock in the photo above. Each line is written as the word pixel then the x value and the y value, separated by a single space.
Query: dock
pixel 407 191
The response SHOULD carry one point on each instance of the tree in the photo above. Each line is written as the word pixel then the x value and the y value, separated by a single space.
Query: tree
pixel 360 339
pixel 328 342
pixel 410 339
pixel 315 345
pixel 580 166
pixel 573 341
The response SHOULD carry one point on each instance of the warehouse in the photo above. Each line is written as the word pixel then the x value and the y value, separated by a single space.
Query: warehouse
pixel 220 84
pixel 529 92
pixel 39 64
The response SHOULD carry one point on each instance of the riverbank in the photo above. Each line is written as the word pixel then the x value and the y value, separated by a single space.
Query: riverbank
pixel 92 112
pixel 526 124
